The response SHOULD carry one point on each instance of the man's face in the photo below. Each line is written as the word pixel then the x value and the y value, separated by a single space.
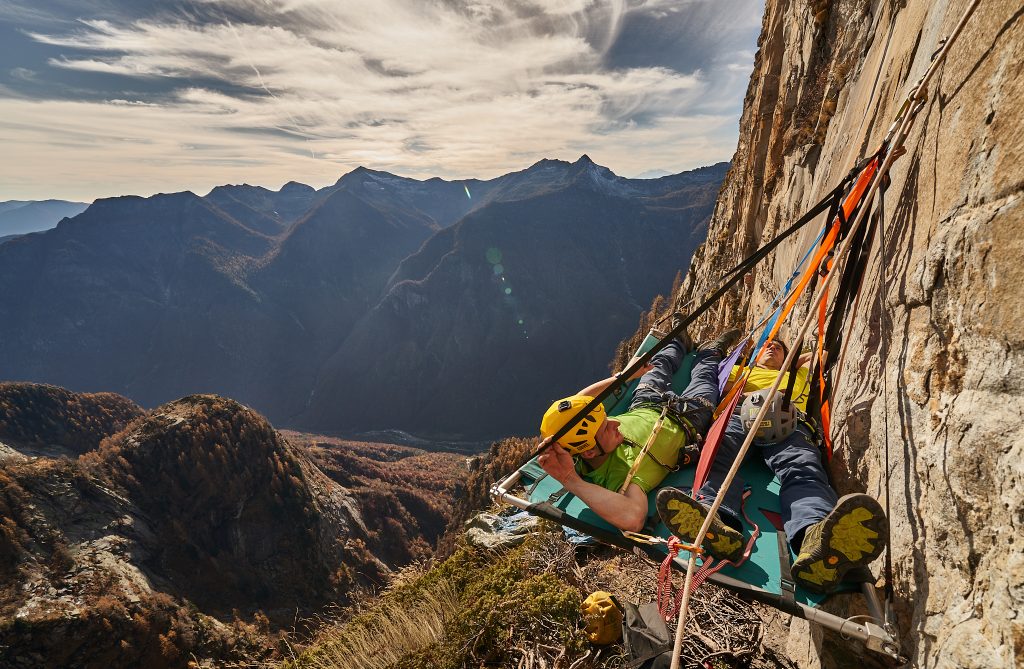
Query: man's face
pixel 772 356
pixel 608 439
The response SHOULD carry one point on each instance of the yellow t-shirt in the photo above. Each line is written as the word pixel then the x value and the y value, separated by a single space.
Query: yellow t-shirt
pixel 761 378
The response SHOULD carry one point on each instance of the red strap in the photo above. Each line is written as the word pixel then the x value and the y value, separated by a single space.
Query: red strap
pixel 714 438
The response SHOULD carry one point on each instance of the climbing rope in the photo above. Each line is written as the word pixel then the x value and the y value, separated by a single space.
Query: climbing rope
pixel 883 353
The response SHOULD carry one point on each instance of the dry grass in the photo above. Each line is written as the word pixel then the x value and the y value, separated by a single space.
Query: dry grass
pixel 386 633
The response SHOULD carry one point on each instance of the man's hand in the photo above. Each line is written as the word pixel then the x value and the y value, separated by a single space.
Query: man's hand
pixel 626 512
pixel 557 462
pixel 640 372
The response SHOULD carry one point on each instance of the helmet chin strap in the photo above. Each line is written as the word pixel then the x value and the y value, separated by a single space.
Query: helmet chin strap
pixel 597 439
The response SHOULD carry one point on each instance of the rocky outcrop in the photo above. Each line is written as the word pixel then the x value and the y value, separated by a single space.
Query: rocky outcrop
pixel 151 546
pixel 936 356
pixel 46 420
pixel 237 514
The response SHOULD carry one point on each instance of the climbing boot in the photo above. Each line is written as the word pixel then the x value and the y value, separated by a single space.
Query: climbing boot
pixel 684 517
pixel 851 535
pixel 684 336
pixel 723 342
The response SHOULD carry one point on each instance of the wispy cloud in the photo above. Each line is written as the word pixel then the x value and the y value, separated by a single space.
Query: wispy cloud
pixel 307 89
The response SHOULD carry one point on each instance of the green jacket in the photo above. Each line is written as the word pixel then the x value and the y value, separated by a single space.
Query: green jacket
pixel 636 427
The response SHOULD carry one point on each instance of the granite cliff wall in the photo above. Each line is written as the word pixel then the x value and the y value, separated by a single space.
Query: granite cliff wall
pixel 936 352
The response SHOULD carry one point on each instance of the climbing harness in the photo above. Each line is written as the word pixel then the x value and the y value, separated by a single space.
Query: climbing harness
pixel 655 431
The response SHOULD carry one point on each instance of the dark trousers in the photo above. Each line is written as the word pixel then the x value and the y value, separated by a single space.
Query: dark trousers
pixel 805 495
pixel 699 398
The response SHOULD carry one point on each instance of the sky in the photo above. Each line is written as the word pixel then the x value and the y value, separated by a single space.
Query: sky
pixel 100 98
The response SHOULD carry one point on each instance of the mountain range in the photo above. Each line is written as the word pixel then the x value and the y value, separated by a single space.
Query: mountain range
pixel 448 309
pixel 19 217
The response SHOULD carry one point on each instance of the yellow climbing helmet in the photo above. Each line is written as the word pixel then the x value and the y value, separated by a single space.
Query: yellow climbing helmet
pixel 583 435
pixel 602 618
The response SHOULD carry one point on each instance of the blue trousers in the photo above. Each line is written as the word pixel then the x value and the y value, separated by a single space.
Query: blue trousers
pixel 805 495
pixel 699 398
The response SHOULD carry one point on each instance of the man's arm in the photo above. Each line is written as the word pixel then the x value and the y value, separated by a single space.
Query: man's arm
pixel 594 388
pixel 626 512
pixel 805 358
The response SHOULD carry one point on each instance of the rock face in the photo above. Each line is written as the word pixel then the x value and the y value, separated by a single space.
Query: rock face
pixel 936 356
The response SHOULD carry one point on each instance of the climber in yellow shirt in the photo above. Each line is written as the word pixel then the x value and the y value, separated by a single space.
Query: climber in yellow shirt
pixel 831 535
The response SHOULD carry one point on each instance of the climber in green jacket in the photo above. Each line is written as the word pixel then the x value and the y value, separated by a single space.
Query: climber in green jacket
pixel 598 454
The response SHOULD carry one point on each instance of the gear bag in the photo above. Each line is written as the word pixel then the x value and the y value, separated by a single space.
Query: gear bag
pixel 647 638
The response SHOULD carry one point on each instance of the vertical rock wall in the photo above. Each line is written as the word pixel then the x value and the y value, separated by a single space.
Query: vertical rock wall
pixel 936 352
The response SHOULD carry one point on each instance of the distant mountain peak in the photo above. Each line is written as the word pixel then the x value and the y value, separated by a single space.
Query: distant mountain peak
pixel 21 217
pixel 360 171
pixel 296 187
pixel 231 188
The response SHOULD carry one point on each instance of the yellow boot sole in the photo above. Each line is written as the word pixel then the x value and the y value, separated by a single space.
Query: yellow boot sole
pixel 851 535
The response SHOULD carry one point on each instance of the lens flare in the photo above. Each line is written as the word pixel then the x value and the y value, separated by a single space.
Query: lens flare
pixel 467 191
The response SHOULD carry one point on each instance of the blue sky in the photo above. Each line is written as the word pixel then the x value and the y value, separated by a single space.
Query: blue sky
pixel 109 97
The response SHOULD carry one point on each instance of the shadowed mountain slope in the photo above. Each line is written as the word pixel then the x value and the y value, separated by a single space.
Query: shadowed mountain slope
pixel 142 296
pixel 520 302
pixel 281 298
pixel 262 210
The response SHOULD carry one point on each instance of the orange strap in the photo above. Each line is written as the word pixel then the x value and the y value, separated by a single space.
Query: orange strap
pixel 849 205
pixel 827 245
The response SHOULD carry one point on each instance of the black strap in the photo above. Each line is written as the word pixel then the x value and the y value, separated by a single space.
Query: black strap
pixel 556 495
pixel 787 585
pixel 846 294
pixel 533 486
